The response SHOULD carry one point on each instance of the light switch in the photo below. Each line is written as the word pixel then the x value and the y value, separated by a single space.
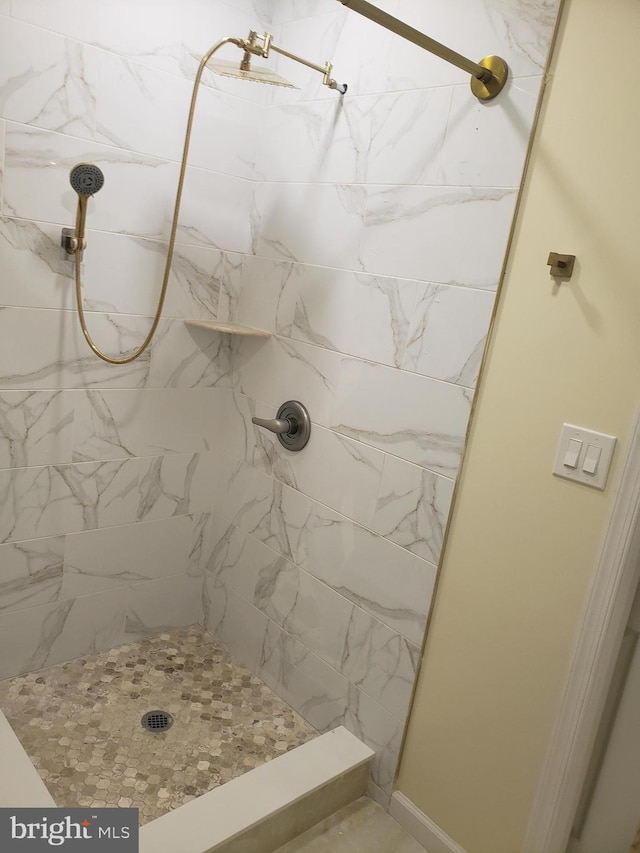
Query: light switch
pixel 584 455
pixel 591 459
pixel 572 454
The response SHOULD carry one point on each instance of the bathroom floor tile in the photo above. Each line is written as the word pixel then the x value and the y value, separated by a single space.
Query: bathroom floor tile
pixel 361 827
pixel 80 723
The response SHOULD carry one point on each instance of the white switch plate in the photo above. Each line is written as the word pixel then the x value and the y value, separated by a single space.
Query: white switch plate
pixel 605 442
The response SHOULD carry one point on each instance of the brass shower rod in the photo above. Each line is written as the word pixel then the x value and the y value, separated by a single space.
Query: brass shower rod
pixel 488 76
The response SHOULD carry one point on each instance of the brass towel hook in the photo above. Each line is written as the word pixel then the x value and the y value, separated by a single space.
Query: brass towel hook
pixel 561 265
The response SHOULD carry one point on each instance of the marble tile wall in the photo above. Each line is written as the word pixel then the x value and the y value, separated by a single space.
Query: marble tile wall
pixel 383 221
pixel 105 471
pixel 366 233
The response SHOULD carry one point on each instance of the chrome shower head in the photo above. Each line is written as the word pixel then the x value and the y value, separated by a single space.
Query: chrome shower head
pixel 86 179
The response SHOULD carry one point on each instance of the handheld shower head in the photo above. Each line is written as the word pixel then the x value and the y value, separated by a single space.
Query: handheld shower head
pixel 86 179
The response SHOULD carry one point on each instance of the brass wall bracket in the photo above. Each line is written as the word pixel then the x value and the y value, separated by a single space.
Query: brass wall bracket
pixel 561 265
pixel 70 243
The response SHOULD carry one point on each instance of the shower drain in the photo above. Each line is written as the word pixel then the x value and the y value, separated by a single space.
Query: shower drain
pixel 157 721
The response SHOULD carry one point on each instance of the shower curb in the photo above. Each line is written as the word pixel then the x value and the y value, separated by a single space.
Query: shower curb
pixel 20 784
pixel 255 813
pixel 266 807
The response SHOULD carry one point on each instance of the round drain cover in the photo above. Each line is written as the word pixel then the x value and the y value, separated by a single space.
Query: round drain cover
pixel 157 721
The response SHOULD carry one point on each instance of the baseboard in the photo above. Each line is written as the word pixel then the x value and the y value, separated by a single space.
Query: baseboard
pixel 423 829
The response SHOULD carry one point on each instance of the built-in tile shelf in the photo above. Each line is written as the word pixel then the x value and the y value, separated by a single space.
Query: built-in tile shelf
pixel 228 328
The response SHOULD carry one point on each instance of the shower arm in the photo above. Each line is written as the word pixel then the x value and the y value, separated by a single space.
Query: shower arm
pixel 488 76
pixel 253 46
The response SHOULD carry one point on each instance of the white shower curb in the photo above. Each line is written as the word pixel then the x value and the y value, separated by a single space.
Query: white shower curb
pixel 248 810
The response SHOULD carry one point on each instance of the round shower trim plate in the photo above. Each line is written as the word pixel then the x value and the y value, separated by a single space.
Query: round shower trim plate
pixel 487 90
pixel 156 721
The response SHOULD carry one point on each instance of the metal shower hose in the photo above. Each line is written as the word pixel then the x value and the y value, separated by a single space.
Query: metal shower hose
pixel 82 215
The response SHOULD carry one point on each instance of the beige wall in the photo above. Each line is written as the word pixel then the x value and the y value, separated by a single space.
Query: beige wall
pixel 523 544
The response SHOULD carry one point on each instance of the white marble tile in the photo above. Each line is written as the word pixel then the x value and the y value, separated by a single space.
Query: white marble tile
pixel 127 30
pixel 308 610
pixel 313 688
pixel 276 370
pixel 413 508
pixel 35 427
pixel 201 282
pixel 237 436
pixel 448 333
pixel 380 730
pixel 159 40
pixel 99 560
pixel 287 10
pixel 118 486
pixel 31 573
pixel 386 581
pixel 44 81
pixel 120 424
pixel 124 274
pixel 223 136
pixel 46 349
pixel 56 499
pixel 44 501
pixel 313 223
pixel 364 650
pixel 51 633
pixel 35 273
pixel 416 418
pixel 215 209
pixel 137 197
pixel 333 469
pixel 2 158
pixel 253 502
pixel 309 142
pixel 235 559
pixel 188 357
pixel 161 605
pixel 266 297
pixel 369 654
pixel 379 662
pixel 486 143
pixel 177 484
pixel 355 313
pixel 138 108
pixel 234 622
pixel 206 530
pixel 399 137
pixel 434 234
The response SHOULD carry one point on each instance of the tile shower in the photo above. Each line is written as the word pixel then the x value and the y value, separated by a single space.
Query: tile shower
pixel 365 232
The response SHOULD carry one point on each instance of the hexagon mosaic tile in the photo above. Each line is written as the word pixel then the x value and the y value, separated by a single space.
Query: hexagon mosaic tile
pixel 80 723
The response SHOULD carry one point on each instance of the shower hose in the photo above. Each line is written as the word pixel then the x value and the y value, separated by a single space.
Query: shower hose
pixel 81 217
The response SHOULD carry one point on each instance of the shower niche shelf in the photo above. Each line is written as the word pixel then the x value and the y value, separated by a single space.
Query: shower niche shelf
pixel 228 328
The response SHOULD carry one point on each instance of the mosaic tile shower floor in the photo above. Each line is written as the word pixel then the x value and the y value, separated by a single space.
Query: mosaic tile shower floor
pixel 79 722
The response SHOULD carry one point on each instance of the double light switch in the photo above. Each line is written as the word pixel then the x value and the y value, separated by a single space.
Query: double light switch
pixel 584 455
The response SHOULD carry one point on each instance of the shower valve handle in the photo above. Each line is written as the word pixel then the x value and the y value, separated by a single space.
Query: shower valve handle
pixel 292 425
pixel 277 425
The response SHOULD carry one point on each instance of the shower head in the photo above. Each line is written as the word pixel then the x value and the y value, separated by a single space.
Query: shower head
pixel 257 75
pixel 86 179
pixel 262 45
